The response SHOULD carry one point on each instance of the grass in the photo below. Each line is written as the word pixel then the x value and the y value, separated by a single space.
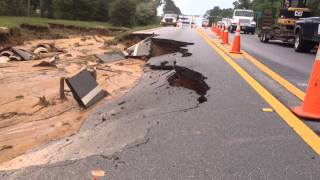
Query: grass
pixel 15 22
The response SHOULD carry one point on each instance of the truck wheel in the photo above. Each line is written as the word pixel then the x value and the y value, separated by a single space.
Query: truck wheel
pixel 301 45
pixel 264 38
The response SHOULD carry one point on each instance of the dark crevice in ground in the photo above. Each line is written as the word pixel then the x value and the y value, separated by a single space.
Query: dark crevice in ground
pixel 168 46
pixel 165 53
pixel 190 79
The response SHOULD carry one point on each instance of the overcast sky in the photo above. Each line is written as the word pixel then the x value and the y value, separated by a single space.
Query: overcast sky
pixel 199 7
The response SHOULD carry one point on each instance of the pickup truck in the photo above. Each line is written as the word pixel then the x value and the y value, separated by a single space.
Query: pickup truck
pixel 307 34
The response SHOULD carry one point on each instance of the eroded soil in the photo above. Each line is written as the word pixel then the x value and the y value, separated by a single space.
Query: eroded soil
pixel 31 113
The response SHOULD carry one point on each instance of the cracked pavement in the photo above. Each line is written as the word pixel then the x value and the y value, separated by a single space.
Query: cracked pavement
pixel 158 131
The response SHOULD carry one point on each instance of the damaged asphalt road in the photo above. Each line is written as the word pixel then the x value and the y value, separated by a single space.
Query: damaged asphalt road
pixel 160 131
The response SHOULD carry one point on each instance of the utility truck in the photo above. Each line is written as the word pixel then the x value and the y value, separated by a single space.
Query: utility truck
pixel 246 19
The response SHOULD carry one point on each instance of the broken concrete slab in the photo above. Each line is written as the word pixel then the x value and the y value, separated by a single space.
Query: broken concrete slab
pixel 85 89
pixel 142 49
pixel 110 57
pixel 23 54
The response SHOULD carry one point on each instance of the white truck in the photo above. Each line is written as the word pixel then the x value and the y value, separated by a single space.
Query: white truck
pixel 246 19
pixel 169 19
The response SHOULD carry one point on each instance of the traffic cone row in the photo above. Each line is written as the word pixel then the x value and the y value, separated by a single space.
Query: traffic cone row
pixel 225 39
pixel 237 41
pixel 311 106
pixel 222 32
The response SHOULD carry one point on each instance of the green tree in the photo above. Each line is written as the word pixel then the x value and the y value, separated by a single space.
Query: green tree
pixel 215 14
pixel 314 5
pixel 242 4
pixel 146 13
pixel 122 12
pixel 170 7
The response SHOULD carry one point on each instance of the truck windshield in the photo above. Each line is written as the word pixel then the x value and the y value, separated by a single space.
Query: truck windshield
pixel 244 13
pixel 170 15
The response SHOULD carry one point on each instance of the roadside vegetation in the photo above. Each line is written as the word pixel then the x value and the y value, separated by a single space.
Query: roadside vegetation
pixel 127 13
pixel 216 13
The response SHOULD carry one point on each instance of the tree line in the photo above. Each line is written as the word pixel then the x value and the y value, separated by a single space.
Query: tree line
pixel 216 13
pixel 117 12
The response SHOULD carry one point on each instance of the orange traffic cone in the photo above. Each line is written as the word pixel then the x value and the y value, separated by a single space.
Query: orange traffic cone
pixel 221 32
pixel 237 41
pixel 225 39
pixel 218 31
pixel 311 105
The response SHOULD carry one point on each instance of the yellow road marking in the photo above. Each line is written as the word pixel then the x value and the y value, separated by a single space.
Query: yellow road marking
pixel 275 76
pixel 310 137
pixel 282 81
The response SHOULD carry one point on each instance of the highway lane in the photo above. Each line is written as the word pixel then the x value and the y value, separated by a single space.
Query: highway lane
pixel 281 57
pixel 174 137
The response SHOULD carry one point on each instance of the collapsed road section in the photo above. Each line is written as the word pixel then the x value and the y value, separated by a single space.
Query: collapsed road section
pixel 165 55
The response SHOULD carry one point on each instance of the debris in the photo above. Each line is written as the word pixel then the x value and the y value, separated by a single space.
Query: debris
pixel 54 59
pixel 4 30
pixel 62 94
pixel 97 174
pixel 22 53
pixel 5 147
pixel 123 102
pixel 4 59
pixel 15 58
pixel 142 49
pixel 110 57
pixel 85 89
pixel 267 110
pixel 42 102
pixel 46 46
pixel 40 50
pixel 6 53
pixel 45 64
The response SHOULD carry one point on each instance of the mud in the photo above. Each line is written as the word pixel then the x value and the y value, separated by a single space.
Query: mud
pixel 31 111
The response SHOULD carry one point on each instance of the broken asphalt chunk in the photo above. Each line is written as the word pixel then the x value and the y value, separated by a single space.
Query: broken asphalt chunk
pixel 142 49
pixel 22 53
pixel 85 89
pixel 110 57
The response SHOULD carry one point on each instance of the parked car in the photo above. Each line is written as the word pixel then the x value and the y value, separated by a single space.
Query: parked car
pixel 246 19
pixel 169 20
pixel 307 34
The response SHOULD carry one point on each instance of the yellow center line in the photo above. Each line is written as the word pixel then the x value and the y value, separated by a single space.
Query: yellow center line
pixel 310 137
pixel 275 76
